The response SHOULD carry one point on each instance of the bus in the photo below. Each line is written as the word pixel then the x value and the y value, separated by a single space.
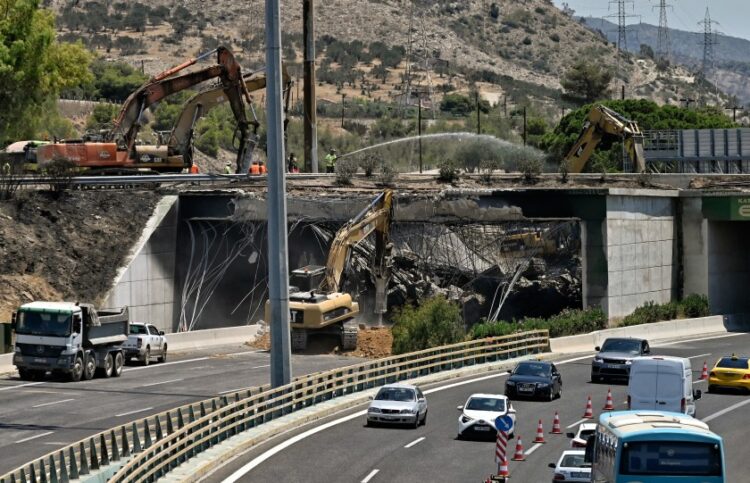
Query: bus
pixel 654 447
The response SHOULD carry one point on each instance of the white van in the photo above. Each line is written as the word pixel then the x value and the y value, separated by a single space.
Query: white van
pixel 662 383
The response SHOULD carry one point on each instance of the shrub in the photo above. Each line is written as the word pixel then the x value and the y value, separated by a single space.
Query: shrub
pixel 368 164
pixel 387 175
pixel 345 170
pixel 448 172
pixel 567 322
pixel 555 37
pixel 690 307
pixel 531 169
pixel 695 305
pixel 434 323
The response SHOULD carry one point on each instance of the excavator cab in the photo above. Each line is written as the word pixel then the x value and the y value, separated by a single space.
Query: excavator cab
pixel 306 279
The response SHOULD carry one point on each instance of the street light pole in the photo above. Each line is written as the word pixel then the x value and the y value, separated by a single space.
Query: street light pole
pixel 419 129
pixel 278 265
pixel 343 98
pixel 310 116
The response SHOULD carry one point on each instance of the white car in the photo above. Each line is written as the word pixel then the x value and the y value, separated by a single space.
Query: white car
pixel 571 467
pixel 580 438
pixel 398 404
pixel 479 412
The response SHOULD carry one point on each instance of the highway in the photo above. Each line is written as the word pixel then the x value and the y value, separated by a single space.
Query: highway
pixel 39 417
pixel 344 450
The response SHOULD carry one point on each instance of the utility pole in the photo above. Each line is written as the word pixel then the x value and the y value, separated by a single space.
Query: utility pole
pixel 663 47
pixel 687 101
pixel 278 264
pixel 734 110
pixel 310 109
pixel 524 125
pixel 479 120
pixel 622 94
pixel 419 128
pixel 505 105
pixel 343 98
pixel 709 41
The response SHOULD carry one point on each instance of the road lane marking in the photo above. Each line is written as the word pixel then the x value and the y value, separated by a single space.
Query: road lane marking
pixel 261 367
pixel 52 403
pixel 245 353
pixel 725 410
pixel 701 339
pixel 699 355
pixel 369 477
pixel 699 381
pixel 415 442
pixel 133 412
pixel 163 364
pixel 56 443
pixel 22 385
pixel 34 437
pixel 533 448
pixel 577 423
pixel 162 382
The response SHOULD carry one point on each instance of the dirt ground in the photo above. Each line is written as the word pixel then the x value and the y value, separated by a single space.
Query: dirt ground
pixel 66 248
pixel 372 343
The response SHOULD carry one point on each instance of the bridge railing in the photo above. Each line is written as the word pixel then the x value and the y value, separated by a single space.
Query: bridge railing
pixel 153 446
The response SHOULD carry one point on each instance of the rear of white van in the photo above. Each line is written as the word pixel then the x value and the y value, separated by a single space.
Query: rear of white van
pixel 662 383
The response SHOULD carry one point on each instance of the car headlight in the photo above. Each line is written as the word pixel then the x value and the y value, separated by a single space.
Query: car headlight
pixel 510 383
pixel 17 350
pixel 409 411
pixel 598 360
pixel 628 362
pixel 465 419
pixel 374 410
pixel 542 384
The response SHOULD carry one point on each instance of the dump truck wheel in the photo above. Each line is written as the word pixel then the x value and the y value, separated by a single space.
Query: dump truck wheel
pixel 119 362
pixel 77 371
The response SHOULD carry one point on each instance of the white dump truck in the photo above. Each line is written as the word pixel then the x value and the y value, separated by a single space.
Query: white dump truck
pixel 69 339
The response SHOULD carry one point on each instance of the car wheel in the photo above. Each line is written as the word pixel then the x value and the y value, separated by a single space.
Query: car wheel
pixel 559 393
pixel 163 357
pixel 147 357
pixel 424 419
pixel 459 436
pixel 415 425
pixel 551 394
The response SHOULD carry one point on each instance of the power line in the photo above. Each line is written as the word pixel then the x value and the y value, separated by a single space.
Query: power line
pixel 622 16
pixel 709 41
pixel 663 48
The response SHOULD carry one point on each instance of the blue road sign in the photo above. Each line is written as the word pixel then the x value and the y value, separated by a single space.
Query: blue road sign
pixel 503 423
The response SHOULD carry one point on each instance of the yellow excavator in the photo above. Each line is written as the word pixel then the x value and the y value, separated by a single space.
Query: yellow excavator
pixel 315 302
pixel 601 121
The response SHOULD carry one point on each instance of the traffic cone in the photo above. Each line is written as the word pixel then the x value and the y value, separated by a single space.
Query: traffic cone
pixel 589 410
pixel 539 433
pixel 518 455
pixel 502 469
pixel 610 405
pixel 556 425
pixel 704 374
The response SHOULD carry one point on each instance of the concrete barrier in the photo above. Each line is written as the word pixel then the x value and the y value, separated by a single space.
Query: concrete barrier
pixel 659 331
pixel 203 339
pixel 6 363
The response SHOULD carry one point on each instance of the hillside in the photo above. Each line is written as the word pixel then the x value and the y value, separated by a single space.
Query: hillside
pixel 513 48
pixel 731 54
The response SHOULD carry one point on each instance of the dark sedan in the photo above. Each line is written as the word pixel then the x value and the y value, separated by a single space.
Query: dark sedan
pixel 539 379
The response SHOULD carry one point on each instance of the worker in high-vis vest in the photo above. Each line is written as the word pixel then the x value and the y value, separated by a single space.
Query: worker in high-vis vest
pixel 331 161
pixel 194 169
pixel 255 168
pixel 228 168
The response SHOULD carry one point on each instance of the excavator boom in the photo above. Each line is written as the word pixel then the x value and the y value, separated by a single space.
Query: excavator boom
pixel 601 121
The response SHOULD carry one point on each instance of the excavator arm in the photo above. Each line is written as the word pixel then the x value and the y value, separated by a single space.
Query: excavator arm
pixel 601 121
pixel 129 120
pixel 376 217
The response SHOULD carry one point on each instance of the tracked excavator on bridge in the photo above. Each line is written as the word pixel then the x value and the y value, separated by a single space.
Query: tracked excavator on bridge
pixel 178 148
pixel 315 302
pixel 118 152
pixel 601 121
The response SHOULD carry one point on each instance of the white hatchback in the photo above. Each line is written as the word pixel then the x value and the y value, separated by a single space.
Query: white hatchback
pixel 571 467
pixel 479 413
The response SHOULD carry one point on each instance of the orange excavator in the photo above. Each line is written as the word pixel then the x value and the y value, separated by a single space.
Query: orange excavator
pixel 118 153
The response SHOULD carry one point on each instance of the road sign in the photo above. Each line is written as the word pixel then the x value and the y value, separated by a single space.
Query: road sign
pixel 503 423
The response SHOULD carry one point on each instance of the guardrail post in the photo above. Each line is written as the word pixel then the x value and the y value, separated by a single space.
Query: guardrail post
pixel 23 476
pixel 146 435
pixel 113 446
pixel 124 442
pixel 32 474
pixel 52 470
pixel 84 461
pixel 63 468
pixel 73 473
pixel 136 440
pixel 203 409
pixel 104 461
pixel 42 472
pixel 94 459
pixel 170 428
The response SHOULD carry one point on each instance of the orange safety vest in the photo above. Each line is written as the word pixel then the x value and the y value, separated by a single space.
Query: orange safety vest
pixel 194 169
pixel 254 169
pixel 263 169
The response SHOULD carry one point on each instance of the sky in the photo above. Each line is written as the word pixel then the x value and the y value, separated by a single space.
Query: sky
pixel 732 15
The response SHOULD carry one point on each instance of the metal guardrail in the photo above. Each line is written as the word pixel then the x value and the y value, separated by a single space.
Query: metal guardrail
pixel 156 445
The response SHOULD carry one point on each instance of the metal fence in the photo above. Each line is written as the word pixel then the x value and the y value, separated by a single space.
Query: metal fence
pixel 155 445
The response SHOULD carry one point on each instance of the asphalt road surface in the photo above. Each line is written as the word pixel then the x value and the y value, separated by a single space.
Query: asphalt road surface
pixel 39 417
pixel 344 450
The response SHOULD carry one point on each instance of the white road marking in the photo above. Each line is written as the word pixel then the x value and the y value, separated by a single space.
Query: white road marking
pixel 163 364
pixel 699 381
pixel 34 437
pixel 52 403
pixel 244 353
pixel 699 355
pixel 577 423
pixel 533 448
pixel 56 443
pixel 22 385
pixel 575 359
pixel 700 339
pixel 162 382
pixel 261 367
pixel 726 410
pixel 133 412
pixel 415 442
pixel 368 477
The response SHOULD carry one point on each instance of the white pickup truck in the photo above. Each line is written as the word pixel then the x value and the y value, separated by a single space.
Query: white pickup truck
pixel 144 342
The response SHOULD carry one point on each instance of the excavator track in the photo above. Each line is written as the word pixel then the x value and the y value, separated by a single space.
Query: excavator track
pixel 349 331
pixel 299 339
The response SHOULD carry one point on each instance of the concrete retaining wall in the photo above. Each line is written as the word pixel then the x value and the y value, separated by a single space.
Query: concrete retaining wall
pixel 653 332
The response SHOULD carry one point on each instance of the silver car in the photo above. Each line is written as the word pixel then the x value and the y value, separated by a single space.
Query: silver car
pixel 398 404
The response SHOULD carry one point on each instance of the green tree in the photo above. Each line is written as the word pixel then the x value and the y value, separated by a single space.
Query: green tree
pixel 34 67
pixel 102 116
pixel 586 81
pixel 434 323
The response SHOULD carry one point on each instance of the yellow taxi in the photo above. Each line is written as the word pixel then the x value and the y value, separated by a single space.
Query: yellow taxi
pixel 730 372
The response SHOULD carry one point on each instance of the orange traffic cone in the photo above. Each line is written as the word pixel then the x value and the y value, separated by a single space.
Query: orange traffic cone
pixel 539 433
pixel 519 455
pixel 556 425
pixel 589 410
pixel 502 469
pixel 704 374
pixel 610 405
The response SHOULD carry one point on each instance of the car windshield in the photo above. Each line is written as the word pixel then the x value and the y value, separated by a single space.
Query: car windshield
pixel 402 394
pixel 532 369
pixel 733 363
pixel 486 404
pixel 138 329
pixel 622 345
pixel 573 461
pixel 585 433
pixel 43 323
